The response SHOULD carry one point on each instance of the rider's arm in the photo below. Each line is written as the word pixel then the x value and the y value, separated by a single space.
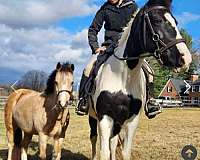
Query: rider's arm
pixel 94 30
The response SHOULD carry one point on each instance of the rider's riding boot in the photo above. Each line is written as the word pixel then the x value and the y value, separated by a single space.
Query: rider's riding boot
pixel 152 108
pixel 82 105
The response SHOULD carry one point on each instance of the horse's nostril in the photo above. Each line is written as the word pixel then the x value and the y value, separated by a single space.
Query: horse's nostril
pixel 182 61
pixel 59 102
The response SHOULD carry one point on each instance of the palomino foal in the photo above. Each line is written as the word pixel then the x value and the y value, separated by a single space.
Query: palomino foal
pixel 121 84
pixel 45 114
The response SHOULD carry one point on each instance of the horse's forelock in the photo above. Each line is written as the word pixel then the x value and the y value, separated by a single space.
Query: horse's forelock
pixel 67 67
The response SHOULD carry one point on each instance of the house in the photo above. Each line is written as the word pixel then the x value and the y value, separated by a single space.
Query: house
pixel 4 91
pixel 186 90
pixel 1 91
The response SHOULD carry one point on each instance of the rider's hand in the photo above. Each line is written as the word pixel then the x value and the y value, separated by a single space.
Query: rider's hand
pixel 98 50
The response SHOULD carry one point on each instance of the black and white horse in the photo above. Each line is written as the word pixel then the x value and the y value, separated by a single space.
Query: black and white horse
pixel 121 85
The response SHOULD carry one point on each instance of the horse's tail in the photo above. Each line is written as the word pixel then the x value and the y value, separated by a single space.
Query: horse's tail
pixel 13 132
pixel 18 137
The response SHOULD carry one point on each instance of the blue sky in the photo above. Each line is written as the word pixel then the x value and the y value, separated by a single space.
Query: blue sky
pixel 187 13
pixel 36 34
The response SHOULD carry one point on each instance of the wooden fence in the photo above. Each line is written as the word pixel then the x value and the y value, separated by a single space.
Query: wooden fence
pixel 3 139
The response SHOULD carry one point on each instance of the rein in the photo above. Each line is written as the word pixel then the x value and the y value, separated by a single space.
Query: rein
pixel 155 37
pixel 58 105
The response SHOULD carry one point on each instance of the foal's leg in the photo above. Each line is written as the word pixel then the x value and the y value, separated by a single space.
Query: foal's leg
pixel 42 145
pixel 105 129
pixel 24 146
pixel 93 136
pixel 57 148
pixel 10 138
pixel 128 138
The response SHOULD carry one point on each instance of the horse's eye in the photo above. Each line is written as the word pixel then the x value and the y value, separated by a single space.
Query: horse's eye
pixel 56 83
pixel 157 21
pixel 167 22
pixel 72 83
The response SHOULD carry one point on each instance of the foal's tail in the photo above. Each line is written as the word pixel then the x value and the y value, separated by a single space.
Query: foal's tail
pixel 14 133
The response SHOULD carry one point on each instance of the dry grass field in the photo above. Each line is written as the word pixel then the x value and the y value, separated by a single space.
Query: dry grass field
pixel 161 138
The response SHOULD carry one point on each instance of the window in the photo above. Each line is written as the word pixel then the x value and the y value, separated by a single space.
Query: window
pixel 195 88
pixel 195 100
pixel 186 100
pixel 169 89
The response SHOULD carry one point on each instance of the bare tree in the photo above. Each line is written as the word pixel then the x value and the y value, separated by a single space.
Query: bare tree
pixel 34 79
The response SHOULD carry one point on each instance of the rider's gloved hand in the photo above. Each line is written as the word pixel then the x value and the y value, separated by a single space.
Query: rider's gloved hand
pixel 100 50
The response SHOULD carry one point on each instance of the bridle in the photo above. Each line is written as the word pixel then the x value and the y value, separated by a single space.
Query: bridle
pixel 58 104
pixel 154 36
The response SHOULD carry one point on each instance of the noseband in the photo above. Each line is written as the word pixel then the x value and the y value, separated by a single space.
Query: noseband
pixel 70 92
pixel 154 36
pixel 59 92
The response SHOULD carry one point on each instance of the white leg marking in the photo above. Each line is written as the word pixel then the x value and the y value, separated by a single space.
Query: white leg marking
pixel 128 138
pixel 106 126
pixel 10 149
pixel 23 154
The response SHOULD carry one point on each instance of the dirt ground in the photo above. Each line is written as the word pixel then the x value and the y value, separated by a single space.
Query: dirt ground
pixel 161 138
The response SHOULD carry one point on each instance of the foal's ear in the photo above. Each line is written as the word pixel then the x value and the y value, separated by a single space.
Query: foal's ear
pixel 58 66
pixel 72 67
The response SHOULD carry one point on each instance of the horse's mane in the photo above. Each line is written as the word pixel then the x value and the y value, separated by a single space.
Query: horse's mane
pixel 65 67
pixel 126 30
pixel 166 3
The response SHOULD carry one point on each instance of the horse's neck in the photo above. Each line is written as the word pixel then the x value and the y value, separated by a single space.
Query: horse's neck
pixel 50 101
pixel 115 75
pixel 52 112
pixel 50 105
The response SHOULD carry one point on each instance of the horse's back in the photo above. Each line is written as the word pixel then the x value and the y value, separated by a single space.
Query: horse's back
pixel 14 103
pixel 11 102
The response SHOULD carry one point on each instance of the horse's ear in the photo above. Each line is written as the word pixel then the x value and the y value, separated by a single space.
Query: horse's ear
pixel 58 66
pixel 72 67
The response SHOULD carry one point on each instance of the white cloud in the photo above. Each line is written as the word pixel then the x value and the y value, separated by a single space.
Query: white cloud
pixel 29 38
pixel 30 13
pixel 37 48
pixel 187 17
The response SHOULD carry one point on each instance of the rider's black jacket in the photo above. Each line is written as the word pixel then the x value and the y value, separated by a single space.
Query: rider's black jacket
pixel 114 19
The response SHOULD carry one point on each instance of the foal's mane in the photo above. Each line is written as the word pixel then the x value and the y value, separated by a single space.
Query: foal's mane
pixel 65 67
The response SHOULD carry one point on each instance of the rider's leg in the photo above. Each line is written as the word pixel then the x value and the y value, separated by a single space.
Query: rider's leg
pixel 82 106
pixel 88 78
pixel 151 108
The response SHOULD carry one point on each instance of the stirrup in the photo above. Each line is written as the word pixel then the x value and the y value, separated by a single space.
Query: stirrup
pixel 151 114
pixel 80 113
pixel 82 107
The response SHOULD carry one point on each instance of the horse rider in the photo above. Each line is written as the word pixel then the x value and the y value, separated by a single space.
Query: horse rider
pixel 114 14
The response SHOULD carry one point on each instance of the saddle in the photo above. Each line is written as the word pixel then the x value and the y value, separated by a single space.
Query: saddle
pixel 90 85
